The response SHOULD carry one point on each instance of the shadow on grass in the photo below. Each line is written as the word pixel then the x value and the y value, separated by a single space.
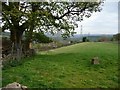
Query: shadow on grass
pixel 14 63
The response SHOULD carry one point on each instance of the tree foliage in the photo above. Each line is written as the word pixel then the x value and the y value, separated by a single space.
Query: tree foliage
pixel 19 17
pixel 47 16
pixel 41 38
pixel 116 37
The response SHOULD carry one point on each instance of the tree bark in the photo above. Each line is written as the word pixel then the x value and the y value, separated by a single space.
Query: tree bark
pixel 16 38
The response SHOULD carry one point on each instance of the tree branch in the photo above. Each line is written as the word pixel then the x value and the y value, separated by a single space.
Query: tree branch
pixel 7 19
pixel 68 12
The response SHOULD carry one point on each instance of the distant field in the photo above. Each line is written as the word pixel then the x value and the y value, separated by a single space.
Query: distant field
pixel 68 67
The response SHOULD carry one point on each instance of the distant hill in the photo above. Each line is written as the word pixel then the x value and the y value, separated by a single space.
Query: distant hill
pixel 5 34
pixel 78 37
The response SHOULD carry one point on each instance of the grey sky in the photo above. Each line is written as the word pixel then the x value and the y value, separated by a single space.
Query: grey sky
pixel 104 22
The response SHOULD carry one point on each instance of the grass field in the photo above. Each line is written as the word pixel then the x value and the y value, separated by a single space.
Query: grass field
pixel 68 67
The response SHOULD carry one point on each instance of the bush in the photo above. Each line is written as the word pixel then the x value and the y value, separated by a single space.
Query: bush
pixel 85 39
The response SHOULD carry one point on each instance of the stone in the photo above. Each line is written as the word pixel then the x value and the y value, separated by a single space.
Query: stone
pixel 13 86
pixel 95 60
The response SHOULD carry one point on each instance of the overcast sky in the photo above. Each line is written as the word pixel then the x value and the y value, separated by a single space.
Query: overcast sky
pixel 104 22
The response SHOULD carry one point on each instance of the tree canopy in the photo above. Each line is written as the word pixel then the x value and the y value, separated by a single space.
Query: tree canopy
pixel 41 38
pixel 22 16
pixel 46 16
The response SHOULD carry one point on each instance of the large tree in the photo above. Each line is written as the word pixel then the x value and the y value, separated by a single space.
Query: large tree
pixel 20 17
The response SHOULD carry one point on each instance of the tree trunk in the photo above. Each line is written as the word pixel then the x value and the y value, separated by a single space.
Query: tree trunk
pixel 16 37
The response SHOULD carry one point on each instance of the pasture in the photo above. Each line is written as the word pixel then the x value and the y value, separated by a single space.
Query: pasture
pixel 68 67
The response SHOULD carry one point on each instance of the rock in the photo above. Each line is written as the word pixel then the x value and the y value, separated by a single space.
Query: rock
pixel 13 86
pixel 95 60
pixel 24 87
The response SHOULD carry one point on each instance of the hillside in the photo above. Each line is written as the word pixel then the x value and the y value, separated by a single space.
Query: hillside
pixel 68 67
pixel 78 37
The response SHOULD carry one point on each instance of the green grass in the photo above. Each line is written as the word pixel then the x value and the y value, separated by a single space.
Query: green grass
pixel 68 67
